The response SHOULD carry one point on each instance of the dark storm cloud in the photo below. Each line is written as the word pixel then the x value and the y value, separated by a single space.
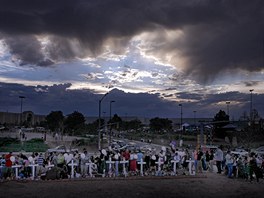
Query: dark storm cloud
pixel 218 35
pixel 189 96
pixel 27 49
pixel 251 83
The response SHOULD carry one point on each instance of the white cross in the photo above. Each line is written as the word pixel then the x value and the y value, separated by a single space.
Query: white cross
pixel 16 167
pixel 72 164
pixel 174 165
pixel 159 162
pixel 124 162
pixel 33 169
pixel 110 162
pixel 190 166
pixel 90 164
pixel 141 166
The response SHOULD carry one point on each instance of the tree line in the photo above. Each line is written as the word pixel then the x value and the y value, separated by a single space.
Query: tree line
pixel 75 124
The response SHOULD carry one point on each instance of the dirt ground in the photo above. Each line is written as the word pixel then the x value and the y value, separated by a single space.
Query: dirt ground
pixel 203 185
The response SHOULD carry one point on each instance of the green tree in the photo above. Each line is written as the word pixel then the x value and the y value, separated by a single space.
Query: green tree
pixel 134 124
pixel 54 120
pixel 160 124
pixel 92 128
pixel 74 123
pixel 115 122
pixel 221 119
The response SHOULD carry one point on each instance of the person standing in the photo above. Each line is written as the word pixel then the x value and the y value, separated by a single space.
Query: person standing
pixel 207 160
pixel 219 157
pixel 8 165
pixel 211 160
pixel 84 159
pixel 199 161
pixel 40 161
pixel 229 164
pixel 253 168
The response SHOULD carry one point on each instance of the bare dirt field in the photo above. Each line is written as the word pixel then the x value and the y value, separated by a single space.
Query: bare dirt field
pixel 203 185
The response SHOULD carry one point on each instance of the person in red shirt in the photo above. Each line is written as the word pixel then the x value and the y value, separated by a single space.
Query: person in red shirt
pixel 126 154
pixel 8 165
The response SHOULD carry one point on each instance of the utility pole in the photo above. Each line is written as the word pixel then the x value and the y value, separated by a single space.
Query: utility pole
pixel 21 109
pixel 99 127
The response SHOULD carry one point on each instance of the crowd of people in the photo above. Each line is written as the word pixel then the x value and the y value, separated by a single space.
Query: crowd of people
pixel 109 163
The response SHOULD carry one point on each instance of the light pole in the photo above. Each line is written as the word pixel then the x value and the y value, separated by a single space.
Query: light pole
pixel 110 117
pixel 181 118
pixel 99 127
pixel 21 108
pixel 194 118
pixel 227 107
pixel 251 90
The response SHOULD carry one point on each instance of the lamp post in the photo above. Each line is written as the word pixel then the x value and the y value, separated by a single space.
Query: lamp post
pixel 227 107
pixel 194 119
pixel 21 108
pixel 99 127
pixel 251 90
pixel 181 118
pixel 110 117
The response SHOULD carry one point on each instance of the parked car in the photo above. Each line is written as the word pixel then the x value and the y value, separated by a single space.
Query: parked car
pixel 118 146
pixel 147 148
pixel 239 151
pixel 259 150
pixel 132 146
pixel 61 149
pixel 208 147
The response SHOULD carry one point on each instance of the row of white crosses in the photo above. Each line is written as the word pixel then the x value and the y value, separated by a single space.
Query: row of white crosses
pixel 123 162
pixel 17 166
pixel 142 163
pixel 33 166
pixel 109 162
pixel 190 164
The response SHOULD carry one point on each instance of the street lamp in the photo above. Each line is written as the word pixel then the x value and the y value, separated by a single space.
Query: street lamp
pixel 21 108
pixel 110 117
pixel 99 127
pixel 194 118
pixel 227 107
pixel 181 118
pixel 251 90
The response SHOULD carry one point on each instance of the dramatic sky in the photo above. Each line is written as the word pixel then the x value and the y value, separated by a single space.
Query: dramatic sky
pixel 150 55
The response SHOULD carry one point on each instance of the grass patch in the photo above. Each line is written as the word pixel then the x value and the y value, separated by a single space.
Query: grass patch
pixel 15 145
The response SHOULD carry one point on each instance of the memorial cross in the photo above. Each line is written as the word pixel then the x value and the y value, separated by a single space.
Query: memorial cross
pixel 174 165
pixel 109 162
pixel 190 166
pixel 124 162
pixel 33 166
pixel 90 164
pixel 72 164
pixel 141 166
pixel 16 167
pixel 159 163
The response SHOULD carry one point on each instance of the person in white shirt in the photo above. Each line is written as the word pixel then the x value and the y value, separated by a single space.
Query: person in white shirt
pixel 229 164
pixel 219 157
